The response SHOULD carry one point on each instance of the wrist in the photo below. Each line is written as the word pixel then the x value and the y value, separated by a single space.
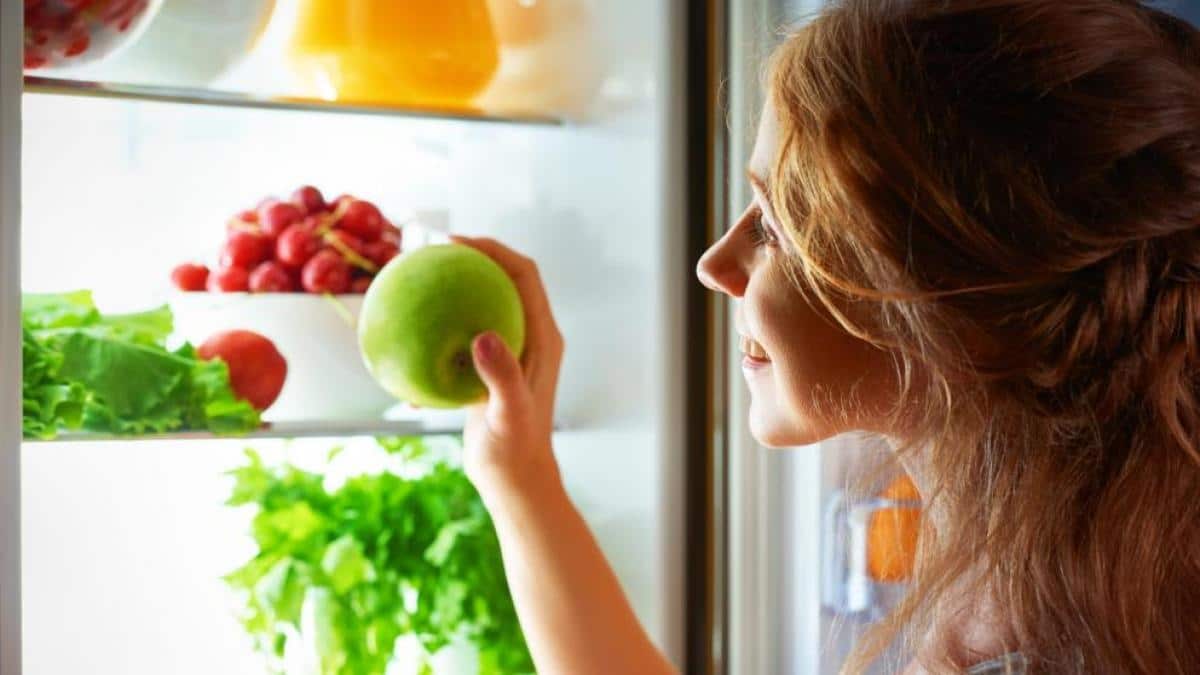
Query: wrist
pixel 510 490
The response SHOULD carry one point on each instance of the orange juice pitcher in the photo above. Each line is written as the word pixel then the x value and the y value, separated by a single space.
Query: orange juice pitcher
pixel 440 53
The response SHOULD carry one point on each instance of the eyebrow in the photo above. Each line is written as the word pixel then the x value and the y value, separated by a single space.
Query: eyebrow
pixel 758 183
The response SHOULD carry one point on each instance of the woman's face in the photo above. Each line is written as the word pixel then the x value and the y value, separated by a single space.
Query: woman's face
pixel 809 379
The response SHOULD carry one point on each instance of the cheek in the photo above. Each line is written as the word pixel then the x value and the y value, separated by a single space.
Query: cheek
pixel 824 380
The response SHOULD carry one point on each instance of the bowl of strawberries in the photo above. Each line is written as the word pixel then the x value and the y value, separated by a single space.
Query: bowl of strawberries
pixel 295 271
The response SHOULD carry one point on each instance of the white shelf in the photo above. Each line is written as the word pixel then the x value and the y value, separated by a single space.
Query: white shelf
pixel 282 430
pixel 314 429
pixel 233 99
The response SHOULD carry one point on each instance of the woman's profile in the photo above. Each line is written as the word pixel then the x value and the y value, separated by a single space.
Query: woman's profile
pixel 976 232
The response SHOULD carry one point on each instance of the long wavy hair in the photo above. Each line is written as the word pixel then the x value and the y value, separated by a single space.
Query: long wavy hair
pixel 1005 195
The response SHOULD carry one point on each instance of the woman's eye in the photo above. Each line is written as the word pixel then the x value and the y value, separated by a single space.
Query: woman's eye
pixel 760 232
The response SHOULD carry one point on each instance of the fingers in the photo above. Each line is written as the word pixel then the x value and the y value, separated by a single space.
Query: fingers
pixel 544 343
pixel 508 394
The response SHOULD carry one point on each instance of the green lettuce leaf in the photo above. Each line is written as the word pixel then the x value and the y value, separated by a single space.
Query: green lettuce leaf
pixel 213 405
pixel 135 388
pixel 58 311
pixel 147 328
pixel 47 404
pixel 40 311
pixel 114 374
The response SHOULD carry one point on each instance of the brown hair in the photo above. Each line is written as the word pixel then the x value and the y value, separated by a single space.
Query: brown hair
pixel 1005 195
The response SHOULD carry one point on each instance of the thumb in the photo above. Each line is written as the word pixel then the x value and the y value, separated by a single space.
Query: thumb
pixel 501 372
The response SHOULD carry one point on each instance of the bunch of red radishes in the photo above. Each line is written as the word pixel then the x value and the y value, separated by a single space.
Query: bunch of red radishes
pixel 304 244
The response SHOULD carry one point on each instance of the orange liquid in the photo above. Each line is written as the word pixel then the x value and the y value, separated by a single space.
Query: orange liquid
pixel 892 535
pixel 439 53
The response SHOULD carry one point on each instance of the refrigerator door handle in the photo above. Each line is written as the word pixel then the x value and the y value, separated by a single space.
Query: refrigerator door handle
pixel 847 586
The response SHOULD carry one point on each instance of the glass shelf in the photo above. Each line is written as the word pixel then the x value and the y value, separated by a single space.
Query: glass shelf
pixel 231 99
pixel 317 429
pixel 282 430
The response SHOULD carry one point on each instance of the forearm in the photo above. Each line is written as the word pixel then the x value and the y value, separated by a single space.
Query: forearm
pixel 575 616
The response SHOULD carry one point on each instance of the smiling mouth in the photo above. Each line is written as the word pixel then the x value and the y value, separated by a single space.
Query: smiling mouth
pixel 754 352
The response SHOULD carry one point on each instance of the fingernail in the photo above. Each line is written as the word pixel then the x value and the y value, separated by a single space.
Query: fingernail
pixel 486 346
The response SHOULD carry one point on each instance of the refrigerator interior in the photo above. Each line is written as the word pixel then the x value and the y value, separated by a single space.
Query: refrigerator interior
pixel 124 543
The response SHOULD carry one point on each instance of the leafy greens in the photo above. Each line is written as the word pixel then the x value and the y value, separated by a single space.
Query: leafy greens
pixel 113 373
pixel 353 569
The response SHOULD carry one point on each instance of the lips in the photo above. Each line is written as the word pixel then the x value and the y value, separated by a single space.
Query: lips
pixel 753 350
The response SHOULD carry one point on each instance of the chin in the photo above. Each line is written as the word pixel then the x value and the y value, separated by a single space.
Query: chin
pixel 774 432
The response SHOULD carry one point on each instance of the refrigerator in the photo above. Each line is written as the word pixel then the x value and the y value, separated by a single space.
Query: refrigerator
pixel 113 547
pixel 614 164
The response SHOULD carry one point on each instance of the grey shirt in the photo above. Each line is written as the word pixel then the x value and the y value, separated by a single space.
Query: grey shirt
pixel 1009 664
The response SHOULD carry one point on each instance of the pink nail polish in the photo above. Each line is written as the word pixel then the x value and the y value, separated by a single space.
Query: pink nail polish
pixel 486 346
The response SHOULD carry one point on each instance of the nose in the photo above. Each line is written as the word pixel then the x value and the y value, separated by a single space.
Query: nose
pixel 725 266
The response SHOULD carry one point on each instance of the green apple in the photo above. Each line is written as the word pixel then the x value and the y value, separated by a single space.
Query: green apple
pixel 422 313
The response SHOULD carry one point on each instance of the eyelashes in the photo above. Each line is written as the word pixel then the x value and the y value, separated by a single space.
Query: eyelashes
pixel 760 233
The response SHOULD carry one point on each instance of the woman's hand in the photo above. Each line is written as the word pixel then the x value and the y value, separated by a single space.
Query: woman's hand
pixel 508 450
pixel 574 614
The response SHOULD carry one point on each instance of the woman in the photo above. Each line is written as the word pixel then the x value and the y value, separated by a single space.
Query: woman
pixel 975 231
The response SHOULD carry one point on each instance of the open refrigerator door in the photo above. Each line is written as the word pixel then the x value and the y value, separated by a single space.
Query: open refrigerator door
pixel 820 538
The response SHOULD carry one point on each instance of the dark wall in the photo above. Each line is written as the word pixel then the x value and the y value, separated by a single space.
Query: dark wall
pixel 1188 9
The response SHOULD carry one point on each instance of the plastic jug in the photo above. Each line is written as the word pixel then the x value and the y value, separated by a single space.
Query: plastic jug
pixel 551 60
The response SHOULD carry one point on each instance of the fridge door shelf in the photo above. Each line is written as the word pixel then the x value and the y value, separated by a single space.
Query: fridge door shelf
pixel 231 99
pixel 847 586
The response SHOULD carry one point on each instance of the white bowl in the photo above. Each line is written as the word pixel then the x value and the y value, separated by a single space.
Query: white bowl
pixel 326 378
pixel 189 43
